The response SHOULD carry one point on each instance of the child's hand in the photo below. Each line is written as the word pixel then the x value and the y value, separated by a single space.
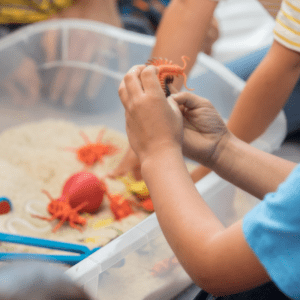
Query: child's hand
pixel 205 133
pixel 154 124
pixel 129 164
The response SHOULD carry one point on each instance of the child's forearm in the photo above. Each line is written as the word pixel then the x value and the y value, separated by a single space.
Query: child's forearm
pixel 214 257
pixel 182 213
pixel 182 31
pixel 253 170
pixel 265 94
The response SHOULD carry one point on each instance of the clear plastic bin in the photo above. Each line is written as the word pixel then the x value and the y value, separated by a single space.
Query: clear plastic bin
pixel 71 70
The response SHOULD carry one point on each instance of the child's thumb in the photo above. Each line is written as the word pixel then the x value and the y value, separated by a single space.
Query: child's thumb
pixel 173 104
pixel 190 101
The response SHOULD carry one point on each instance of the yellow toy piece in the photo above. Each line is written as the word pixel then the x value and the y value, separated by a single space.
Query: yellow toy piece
pixel 91 240
pixel 137 188
pixel 103 223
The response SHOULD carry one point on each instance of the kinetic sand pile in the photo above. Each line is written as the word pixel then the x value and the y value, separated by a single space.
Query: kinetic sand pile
pixel 32 158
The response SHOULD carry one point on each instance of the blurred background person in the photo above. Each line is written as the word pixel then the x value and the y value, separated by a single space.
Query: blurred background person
pixel 37 280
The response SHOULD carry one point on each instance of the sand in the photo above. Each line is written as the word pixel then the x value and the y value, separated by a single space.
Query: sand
pixel 32 158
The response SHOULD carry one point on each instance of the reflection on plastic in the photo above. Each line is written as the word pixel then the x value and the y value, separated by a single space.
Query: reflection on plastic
pixel 65 67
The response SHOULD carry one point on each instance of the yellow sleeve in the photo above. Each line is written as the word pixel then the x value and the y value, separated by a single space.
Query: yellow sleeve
pixel 24 11
pixel 287 28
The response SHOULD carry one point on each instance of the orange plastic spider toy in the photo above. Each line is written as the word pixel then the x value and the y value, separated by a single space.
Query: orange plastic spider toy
pixel 91 153
pixel 63 211
pixel 82 192
pixel 167 71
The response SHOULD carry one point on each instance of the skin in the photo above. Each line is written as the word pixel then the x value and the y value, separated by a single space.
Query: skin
pixel 96 10
pixel 272 81
pixel 196 14
pixel 217 258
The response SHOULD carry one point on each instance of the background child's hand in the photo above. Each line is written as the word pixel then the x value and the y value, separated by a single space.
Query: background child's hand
pixel 154 124
pixel 204 128
pixel 129 164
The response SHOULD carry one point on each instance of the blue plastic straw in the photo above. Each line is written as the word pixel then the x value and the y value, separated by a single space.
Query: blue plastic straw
pixel 44 243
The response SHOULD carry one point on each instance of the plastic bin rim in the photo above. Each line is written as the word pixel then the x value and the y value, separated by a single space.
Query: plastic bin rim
pixel 93 26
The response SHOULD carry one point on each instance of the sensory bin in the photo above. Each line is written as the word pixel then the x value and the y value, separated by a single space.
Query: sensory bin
pixel 139 262
pixel 38 156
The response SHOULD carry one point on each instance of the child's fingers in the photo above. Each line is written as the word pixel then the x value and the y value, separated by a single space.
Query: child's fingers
pixel 172 89
pixel 173 104
pixel 150 80
pixel 189 100
pixel 123 94
pixel 132 81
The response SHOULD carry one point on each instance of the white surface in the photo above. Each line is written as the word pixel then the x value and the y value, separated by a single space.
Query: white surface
pixel 244 27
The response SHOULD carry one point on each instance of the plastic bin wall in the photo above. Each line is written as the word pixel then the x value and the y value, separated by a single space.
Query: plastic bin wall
pixel 75 77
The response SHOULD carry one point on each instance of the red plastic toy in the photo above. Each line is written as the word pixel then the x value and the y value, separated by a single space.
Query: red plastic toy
pixel 146 205
pixel 5 206
pixel 92 153
pixel 82 192
pixel 120 206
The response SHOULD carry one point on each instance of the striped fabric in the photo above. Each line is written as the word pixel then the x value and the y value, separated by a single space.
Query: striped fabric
pixel 287 28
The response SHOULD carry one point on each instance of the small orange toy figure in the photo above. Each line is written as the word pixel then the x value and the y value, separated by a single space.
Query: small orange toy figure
pixel 63 211
pixel 82 192
pixel 165 266
pixel 92 153
pixel 167 71
pixel 140 191
pixel 120 206
pixel 145 204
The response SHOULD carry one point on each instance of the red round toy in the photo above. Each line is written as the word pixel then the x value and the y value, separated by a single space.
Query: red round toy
pixel 82 192
pixel 5 206
pixel 84 187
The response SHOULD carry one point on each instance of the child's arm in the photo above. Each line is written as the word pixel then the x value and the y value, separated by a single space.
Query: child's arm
pixel 265 94
pixel 251 169
pixel 217 259
pixel 188 22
